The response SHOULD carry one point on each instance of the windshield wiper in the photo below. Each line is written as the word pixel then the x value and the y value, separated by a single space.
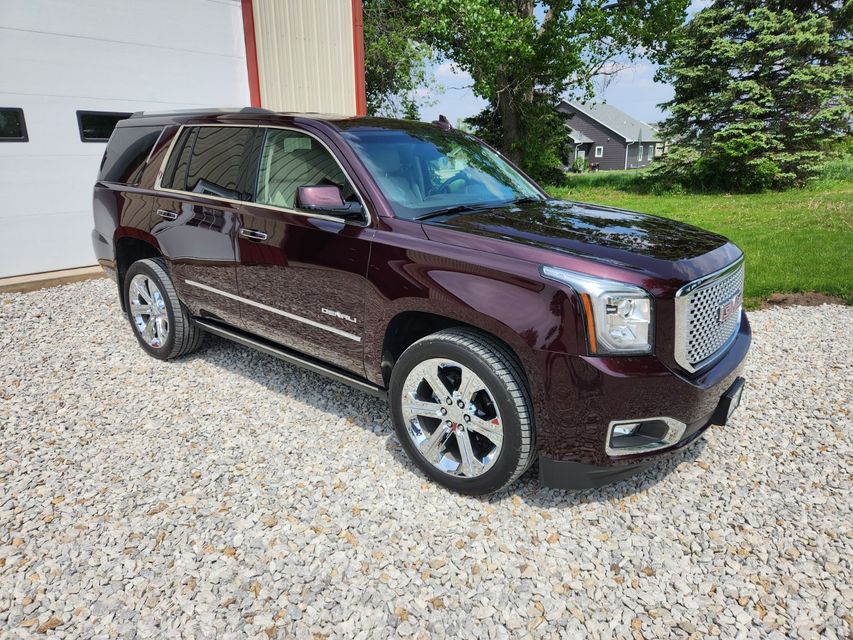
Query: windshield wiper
pixel 526 200
pixel 459 208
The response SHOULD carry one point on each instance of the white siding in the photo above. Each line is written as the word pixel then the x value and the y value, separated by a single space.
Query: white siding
pixel 305 55
pixel 59 57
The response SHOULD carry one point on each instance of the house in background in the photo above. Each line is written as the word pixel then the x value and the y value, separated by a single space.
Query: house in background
pixel 609 137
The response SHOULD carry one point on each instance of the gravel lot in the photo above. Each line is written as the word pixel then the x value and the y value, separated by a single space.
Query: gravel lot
pixel 231 495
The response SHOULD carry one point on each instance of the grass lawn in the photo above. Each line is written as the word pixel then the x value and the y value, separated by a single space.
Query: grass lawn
pixel 795 241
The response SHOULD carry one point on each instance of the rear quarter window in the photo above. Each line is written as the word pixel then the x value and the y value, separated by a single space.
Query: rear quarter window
pixel 127 152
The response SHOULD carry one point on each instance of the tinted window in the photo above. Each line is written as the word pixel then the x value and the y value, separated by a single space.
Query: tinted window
pixel 97 126
pixel 291 160
pixel 217 160
pixel 12 125
pixel 422 169
pixel 127 152
pixel 175 174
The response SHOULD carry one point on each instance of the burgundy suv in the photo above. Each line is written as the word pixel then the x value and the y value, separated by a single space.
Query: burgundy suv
pixel 413 261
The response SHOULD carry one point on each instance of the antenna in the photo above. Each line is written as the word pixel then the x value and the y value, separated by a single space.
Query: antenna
pixel 442 123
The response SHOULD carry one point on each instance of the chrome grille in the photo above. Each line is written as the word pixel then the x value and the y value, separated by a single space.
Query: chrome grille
pixel 700 333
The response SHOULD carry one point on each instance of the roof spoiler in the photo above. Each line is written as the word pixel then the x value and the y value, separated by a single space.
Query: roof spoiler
pixel 442 123
pixel 200 112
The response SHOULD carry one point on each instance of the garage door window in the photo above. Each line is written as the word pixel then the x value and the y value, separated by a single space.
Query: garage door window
pixel 97 126
pixel 216 163
pixel 13 128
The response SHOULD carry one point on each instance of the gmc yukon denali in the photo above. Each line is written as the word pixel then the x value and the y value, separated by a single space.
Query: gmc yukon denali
pixel 412 261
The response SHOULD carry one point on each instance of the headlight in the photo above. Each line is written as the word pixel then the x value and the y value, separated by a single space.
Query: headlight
pixel 618 316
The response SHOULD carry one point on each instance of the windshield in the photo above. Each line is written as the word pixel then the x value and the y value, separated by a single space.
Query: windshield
pixel 424 169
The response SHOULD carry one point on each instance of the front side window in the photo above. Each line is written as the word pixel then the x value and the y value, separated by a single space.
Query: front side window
pixel 13 127
pixel 216 162
pixel 291 160
pixel 423 169
pixel 599 151
pixel 97 126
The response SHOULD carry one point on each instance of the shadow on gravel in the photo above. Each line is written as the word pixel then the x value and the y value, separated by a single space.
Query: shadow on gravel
pixel 372 414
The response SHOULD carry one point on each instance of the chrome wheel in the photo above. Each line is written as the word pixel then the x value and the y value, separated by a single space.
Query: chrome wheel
pixel 452 418
pixel 148 310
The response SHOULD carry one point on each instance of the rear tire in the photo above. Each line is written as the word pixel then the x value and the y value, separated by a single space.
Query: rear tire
pixel 161 323
pixel 461 409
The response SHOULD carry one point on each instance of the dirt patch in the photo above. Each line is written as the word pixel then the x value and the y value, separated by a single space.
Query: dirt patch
pixel 799 299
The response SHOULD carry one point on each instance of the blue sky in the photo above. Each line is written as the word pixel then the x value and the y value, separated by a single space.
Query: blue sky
pixel 633 90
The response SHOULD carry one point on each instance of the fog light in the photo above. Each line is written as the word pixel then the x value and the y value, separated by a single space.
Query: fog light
pixel 627 437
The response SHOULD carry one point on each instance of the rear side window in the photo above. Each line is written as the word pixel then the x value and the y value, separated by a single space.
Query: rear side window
pixel 216 163
pixel 127 153
pixel 13 128
pixel 98 126
pixel 175 174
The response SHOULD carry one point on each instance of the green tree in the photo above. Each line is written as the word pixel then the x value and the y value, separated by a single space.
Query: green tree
pixel 524 54
pixel 395 61
pixel 762 92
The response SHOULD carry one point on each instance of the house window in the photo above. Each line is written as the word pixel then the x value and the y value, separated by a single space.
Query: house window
pixel 97 126
pixel 13 128
pixel 599 151
pixel 640 153
pixel 580 154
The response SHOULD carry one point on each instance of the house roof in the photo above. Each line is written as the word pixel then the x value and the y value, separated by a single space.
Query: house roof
pixel 579 138
pixel 616 120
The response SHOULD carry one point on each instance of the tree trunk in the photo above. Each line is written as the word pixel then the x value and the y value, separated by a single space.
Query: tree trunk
pixel 512 96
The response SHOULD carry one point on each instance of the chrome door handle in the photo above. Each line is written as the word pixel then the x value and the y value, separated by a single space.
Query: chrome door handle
pixel 168 215
pixel 253 234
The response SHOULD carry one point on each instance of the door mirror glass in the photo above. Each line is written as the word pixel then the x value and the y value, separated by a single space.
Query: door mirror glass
pixel 328 199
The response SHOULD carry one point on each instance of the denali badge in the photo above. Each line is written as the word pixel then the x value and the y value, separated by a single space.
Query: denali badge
pixel 338 314
pixel 728 308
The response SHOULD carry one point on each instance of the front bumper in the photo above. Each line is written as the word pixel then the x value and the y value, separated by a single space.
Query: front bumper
pixel 565 474
pixel 573 432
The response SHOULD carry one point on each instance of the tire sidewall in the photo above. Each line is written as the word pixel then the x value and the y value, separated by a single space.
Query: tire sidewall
pixel 141 267
pixel 507 463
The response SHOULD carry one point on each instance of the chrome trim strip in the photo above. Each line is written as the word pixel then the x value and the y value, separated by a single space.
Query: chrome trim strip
pixel 681 299
pixel 260 305
pixel 673 435
pixel 320 216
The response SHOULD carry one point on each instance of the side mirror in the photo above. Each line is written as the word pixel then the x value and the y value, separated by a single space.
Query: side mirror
pixel 328 199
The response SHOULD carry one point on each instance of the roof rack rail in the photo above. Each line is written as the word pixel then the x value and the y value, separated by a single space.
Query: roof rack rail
pixel 187 112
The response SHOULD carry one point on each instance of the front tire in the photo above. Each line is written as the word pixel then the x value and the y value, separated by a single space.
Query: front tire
pixel 162 325
pixel 462 411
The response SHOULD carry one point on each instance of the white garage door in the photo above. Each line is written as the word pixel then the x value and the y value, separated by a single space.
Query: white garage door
pixel 61 57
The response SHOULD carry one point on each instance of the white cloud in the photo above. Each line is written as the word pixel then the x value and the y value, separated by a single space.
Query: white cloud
pixel 449 72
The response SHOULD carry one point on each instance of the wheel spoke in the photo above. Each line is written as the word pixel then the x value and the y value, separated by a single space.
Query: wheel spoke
pixel 491 429
pixel 438 387
pixel 431 447
pixel 162 326
pixel 148 331
pixel 142 291
pixel 470 466
pixel 417 407
pixel 469 385
pixel 139 308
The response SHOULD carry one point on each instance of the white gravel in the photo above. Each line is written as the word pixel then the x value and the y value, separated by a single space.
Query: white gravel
pixel 231 495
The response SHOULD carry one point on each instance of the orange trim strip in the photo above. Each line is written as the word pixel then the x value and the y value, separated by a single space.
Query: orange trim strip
pixel 358 56
pixel 590 324
pixel 251 53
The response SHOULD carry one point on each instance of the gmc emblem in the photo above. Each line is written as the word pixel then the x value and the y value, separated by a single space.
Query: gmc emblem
pixel 728 308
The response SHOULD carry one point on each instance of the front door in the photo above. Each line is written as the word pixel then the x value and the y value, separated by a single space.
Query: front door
pixel 302 276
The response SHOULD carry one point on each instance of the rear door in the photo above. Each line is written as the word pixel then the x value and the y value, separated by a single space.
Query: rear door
pixel 301 275
pixel 203 187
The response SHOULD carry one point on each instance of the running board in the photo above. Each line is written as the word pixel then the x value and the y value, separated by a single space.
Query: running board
pixel 306 362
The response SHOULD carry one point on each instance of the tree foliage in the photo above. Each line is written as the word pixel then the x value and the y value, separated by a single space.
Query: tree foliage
pixel 762 92
pixel 395 59
pixel 524 54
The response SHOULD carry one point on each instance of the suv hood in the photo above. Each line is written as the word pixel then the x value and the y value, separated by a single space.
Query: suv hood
pixel 603 233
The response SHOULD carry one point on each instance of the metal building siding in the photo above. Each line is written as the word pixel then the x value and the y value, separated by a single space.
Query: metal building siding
pixel 306 55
